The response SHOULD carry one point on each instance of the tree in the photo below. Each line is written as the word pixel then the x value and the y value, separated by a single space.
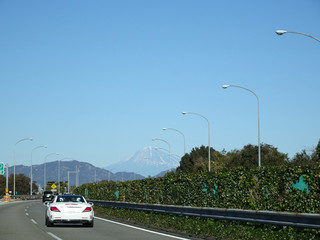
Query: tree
pixel 22 185
pixel 302 159
pixel 2 185
pixel 316 153
pixel 247 157
pixel 197 160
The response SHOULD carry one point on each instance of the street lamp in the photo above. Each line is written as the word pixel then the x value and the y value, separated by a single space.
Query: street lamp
pixel 14 163
pixel 59 173
pixel 184 113
pixel 76 172
pixel 45 170
pixel 184 138
pixel 31 166
pixel 259 152
pixel 158 139
pixel 281 32
pixel 157 148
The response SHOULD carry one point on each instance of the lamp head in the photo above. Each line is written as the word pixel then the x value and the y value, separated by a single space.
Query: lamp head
pixel 184 113
pixel 164 128
pixel 225 86
pixel 280 32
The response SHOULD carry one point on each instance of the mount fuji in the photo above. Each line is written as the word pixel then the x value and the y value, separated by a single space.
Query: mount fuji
pixel 148 161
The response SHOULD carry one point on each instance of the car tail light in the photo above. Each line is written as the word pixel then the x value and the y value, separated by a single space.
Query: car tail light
pixel 54 209
pixel 87 209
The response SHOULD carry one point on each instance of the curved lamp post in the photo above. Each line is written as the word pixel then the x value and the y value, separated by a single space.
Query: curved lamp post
pixel 259 152
pixel 45 170
pixel 184 113
pixel 59 173
pixel 157 148
pixel 184 138
pixel 76 172
pixel 158 139
pixel 14 163
pixel 31 167
pixel 281 32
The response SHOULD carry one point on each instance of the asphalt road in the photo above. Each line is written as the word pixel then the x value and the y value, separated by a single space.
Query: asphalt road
pixel 25 220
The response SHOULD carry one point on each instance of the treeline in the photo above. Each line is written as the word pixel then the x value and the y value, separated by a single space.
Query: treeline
pixel 22 185
pixel 197 160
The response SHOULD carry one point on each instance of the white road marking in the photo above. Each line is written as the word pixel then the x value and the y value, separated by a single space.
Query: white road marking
pixel 54 236
pixel 33 221
pixel 142 229
pixel 27 214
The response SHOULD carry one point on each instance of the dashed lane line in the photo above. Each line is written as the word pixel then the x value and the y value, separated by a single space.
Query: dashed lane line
pixel 33 221
pixel 54 236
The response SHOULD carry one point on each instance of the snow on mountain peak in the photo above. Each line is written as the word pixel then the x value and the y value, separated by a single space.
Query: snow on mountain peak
pixel 148 161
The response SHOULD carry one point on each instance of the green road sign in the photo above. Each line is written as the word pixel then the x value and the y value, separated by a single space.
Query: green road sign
pixel 1 168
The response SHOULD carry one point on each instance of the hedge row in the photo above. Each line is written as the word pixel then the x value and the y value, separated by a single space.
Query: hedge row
pixel 275 189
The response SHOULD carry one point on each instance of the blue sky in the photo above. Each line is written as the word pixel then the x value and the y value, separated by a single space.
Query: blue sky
pixel 97 80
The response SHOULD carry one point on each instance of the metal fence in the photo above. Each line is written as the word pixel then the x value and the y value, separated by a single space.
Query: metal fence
pixel 300 220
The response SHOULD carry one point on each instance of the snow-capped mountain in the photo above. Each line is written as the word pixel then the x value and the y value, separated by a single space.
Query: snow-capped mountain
pixel 149 161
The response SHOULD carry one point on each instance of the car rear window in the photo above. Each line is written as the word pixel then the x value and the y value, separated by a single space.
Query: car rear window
pixel 70 199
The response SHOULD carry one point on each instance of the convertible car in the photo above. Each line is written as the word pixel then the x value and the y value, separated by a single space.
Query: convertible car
pixel 69 209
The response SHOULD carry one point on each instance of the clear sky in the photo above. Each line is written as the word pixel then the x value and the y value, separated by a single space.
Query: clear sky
pixel 97 80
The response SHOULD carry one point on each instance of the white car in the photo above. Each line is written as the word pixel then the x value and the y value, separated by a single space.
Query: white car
pixel 69 209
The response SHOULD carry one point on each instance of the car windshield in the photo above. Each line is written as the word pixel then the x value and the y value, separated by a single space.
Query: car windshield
pixel 70 199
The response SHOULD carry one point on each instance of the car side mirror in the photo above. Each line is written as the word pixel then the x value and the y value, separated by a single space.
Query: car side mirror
pixel 91 203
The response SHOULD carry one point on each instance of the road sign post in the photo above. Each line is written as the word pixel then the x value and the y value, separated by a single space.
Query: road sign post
pixel 7 196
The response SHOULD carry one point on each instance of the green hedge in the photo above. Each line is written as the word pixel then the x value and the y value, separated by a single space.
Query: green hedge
pixel 275 189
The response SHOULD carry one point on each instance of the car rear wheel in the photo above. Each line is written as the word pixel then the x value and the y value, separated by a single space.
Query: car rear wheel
pixel 48 223
pixel 89 224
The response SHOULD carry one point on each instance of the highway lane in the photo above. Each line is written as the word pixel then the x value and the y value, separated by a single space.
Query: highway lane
pixel 25 220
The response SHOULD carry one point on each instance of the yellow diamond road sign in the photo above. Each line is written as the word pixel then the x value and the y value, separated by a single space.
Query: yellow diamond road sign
pixel 53 186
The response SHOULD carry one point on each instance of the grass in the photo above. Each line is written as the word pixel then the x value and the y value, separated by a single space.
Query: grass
pixel 207 228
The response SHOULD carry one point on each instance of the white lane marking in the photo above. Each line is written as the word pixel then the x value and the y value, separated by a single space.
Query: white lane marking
pixel 27 214
pixel 33 221
pixel 141 229
pixel 54 236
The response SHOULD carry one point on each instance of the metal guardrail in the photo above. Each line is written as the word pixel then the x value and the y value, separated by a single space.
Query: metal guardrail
pixel 300 220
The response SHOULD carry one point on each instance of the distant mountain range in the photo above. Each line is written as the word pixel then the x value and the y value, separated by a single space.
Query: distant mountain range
pixel 87 173
pixel 148 161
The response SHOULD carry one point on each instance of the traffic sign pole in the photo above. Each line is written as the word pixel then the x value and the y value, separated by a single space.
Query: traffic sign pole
pixel 7 196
